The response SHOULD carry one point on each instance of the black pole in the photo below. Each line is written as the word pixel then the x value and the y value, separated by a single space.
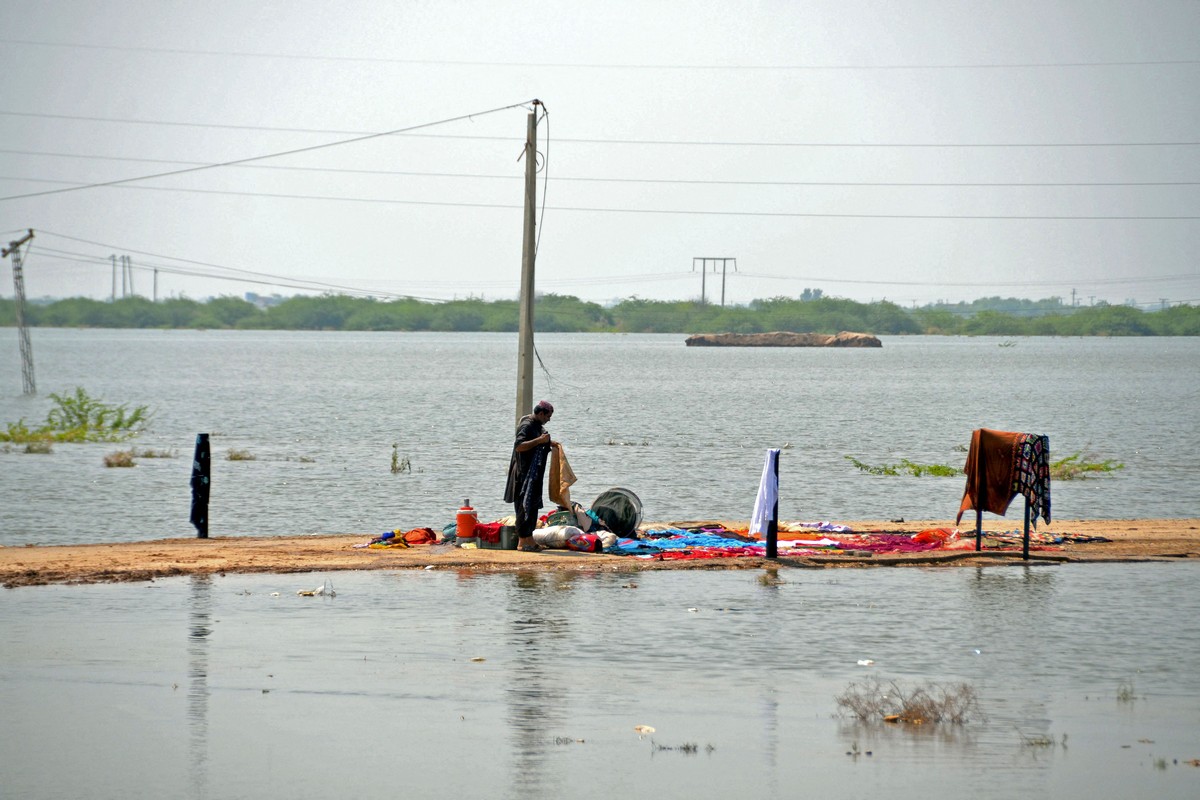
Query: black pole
pixel 201 486
pixel 773 525
pixel 980 488
pixel 1025 548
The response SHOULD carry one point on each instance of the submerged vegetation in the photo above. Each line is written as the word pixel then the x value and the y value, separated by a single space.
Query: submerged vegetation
pixel 1071 468
pixel 79 417
pixel 1065 469
pixel 906 467
pixel 873 700
pixel 400 464
pixel 811 313
pixel 120 458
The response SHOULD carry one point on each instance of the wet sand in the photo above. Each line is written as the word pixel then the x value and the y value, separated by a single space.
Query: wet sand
pixel 1132 540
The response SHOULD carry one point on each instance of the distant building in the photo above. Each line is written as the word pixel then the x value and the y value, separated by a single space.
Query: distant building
pixel 264 301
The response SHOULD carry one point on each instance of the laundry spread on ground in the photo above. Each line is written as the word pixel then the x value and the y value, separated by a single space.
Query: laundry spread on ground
pixel 715 541
pixel 401 539
pixel 563 529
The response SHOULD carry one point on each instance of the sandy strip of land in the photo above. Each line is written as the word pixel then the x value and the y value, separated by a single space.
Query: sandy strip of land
pixel 1132 540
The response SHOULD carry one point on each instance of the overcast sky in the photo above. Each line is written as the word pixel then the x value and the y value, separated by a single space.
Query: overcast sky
pixel 913 151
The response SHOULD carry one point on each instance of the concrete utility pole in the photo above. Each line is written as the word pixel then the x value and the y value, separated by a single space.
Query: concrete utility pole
pixel 528 247
pixel 14 250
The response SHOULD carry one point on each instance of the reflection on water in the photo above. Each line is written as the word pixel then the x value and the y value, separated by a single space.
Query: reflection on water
pixel 377 693
pixel 199 630
pixel 536 697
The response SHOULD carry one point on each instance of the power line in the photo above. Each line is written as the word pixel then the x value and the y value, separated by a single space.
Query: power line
pixel 88 260
pixel 977 284
pixel 269 155
pixel 592 179
pixel 664 142
pixel 601 210
pixel 301 283
pixel 258 277
pixel 588 65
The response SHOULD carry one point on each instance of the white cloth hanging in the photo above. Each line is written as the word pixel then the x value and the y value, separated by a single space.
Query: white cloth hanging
pixel 768 495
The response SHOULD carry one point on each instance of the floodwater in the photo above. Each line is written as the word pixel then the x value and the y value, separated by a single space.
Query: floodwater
pixel 441 684
pixel 684 428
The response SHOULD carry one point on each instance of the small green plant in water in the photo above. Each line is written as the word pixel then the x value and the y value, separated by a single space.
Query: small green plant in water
pixel 1125 692
pixel 1072 468
pixel 39 447
pixel 400 464
pixel 906 467
pixel 1039 740
pixel 239 455
pixel 79 417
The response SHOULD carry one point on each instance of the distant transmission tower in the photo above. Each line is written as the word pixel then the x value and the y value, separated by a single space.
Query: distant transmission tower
pixel 704 261
pixel 14 250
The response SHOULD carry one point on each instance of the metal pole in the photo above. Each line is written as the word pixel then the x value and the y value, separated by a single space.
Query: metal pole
pixel 1025 547
pixel 980 487
pixel 113 258
pixel 773 525
pixel 528 244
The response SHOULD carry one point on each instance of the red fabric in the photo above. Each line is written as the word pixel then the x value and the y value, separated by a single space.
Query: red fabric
pixel 420 536
pixel 488 532
pixel 931 535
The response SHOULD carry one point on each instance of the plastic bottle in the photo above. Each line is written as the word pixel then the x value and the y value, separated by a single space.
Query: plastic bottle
pixel 465 522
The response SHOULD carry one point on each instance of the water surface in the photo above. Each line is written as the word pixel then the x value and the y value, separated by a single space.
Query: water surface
pixel 216 687
pixel 684 428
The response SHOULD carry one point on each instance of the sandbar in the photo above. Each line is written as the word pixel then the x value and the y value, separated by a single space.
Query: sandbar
pixel 33 565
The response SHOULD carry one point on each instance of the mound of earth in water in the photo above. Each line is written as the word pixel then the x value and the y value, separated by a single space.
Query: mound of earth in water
pixel 783 339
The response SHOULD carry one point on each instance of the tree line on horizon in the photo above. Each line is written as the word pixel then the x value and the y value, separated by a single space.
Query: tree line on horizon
pixel 553 312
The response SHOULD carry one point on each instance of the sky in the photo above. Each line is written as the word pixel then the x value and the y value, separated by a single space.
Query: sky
pixel 919 151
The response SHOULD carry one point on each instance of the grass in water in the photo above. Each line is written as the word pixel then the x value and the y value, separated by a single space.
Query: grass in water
pixel 1072 468
pixel 400 464
pixel 239 455
pixel 39 447
pixel 121 458
pixel 906 467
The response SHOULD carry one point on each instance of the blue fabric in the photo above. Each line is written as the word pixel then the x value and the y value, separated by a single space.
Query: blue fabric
pixel 657 540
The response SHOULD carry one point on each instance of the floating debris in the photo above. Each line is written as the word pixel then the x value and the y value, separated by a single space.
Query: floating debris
pixel 324 590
